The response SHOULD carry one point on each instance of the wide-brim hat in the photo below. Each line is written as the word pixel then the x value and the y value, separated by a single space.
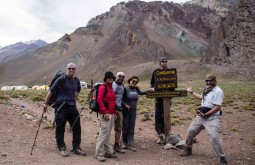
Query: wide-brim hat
pixel 109 74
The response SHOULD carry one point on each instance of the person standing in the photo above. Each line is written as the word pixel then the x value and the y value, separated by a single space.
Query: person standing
pixel 68 87
pixel 208 117
pixel 118 88
pixel 130 100
pixel 106 101
pixel 159 108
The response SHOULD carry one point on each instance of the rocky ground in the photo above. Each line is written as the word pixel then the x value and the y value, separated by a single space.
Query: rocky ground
pixel 18 132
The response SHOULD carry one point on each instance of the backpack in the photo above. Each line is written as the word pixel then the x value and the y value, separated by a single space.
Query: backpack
pixel 53 99
pixel 93 104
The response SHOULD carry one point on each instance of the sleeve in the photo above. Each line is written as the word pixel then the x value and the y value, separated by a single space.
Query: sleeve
pixel 123 102
pixel 141 92
pixel 56 84
pixel 218 98
pixel 78 85
pixel 100 99
pixel 153 80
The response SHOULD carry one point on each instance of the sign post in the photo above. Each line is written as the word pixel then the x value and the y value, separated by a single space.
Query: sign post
pixel 165 84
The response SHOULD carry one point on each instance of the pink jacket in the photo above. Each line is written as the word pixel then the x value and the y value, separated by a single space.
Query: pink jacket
pixel 109 98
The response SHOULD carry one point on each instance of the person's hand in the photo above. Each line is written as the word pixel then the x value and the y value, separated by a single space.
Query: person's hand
pixel 201 114
pixel 106 117
pixel 151 90
pixel 189 89
pixel 45 106
pixel 127 107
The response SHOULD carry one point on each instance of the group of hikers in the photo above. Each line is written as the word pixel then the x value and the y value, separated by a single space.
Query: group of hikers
pixel 118 110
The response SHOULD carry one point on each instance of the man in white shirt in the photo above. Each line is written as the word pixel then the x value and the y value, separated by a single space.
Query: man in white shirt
pixel 208 117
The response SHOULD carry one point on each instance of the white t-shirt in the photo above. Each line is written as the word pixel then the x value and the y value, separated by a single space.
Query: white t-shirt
pixel 214 97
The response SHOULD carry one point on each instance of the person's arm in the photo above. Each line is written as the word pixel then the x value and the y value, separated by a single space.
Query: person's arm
pixel 100 99
pixel 141 92
pixel 152 82
pixel 215 109
pixel 190 91
pixel 47 99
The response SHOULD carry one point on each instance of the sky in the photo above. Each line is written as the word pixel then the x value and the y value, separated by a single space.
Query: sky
pixel 48 20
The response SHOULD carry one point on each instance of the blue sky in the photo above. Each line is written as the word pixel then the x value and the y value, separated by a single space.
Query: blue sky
pixel 25 20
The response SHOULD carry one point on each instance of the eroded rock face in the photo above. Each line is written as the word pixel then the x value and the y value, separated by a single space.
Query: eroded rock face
pixel 232 44
pixel 222 7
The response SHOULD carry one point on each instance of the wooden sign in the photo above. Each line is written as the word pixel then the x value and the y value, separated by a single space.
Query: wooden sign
pixel 162 94
pixel 165 79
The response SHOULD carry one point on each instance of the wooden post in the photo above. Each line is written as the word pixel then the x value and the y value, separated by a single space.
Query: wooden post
pixel 167 115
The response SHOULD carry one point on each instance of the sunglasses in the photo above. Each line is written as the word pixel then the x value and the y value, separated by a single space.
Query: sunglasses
pixel 120 76
pixel 209 81
pixel 71 68
pixel 164 61
pixel 134 81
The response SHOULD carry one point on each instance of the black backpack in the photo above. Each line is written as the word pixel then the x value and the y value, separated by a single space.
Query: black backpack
pixel 93 104
pixel 53 99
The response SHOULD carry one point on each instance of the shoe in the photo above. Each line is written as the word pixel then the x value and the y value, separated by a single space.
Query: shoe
pixel 131 148
pixel 223 161
pixel 118 149
pixel 186 151
pixel 101 158
pixel 79 151
pixel 125 146
pixel 64 153
pixel 112 155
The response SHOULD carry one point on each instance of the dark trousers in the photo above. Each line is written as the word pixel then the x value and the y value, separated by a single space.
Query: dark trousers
pixel 67 113
pixel 159 116
pixel 129 126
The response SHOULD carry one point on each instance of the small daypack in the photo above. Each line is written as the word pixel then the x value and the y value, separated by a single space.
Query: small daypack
pixel 53 99
pixel 93 104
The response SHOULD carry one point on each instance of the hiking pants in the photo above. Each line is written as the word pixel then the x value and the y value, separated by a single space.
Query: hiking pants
pixel 68 113
pixel 159 116
pixel 211 125
pixel 103 144
pixel 129 127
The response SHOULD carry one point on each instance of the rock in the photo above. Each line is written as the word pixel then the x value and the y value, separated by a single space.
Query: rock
pixel 180 144
pixel 169 146
pixel 173 139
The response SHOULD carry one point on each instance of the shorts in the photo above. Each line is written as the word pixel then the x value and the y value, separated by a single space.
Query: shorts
pixel 119 122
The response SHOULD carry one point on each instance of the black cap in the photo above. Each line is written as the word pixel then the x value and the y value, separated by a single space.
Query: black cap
pixel 108 74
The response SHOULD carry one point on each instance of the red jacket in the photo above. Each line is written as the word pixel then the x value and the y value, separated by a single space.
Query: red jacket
pixel 110 97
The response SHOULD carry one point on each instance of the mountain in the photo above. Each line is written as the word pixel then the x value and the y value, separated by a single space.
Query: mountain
pixel 232 43
pixel 130 37
pixel 19 49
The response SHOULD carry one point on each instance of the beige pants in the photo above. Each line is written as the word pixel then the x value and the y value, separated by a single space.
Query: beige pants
pixel 211 125
pixel 103 144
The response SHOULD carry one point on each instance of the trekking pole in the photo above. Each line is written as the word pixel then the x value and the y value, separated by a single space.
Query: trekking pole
pixel 37 132
pixel 91 85
pixel 80 111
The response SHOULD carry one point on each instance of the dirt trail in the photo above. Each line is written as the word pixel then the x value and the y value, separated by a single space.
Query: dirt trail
pixel 17 136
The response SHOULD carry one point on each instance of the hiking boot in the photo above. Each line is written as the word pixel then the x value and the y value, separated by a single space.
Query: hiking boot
pixel 125 146
pixel 131 148
pixel 64 153
pixel 186 151
pixel 112 155
pixel 101 158
pixel 161 139
pixel 118 149
pixel 79 151
pixel 223 161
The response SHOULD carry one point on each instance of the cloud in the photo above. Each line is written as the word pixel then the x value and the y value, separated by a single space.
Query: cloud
pixel 47 19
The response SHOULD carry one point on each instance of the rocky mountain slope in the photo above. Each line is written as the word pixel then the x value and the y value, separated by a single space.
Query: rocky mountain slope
pixel 19 49
pixel 128 37
pixel 232 44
